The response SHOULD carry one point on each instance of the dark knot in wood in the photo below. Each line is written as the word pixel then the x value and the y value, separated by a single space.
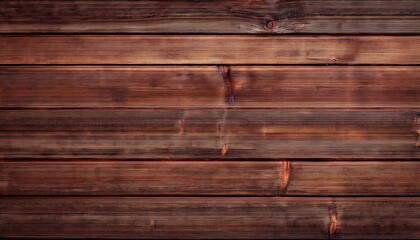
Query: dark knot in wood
pixel 269 24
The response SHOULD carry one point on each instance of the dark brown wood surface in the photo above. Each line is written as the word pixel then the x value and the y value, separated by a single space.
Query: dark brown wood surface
pixel 208 49
pixel 256 119
pixel 207 86
pixel 299 16
pixel 209 133
pixel 222 178
pixel 246 218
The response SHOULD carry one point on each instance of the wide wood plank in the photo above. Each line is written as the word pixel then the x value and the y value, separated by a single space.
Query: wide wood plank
pixel 209 133
pixel 209 86
pixel 260 178
pixel 163 86
pixel 207 49
pixel 235 16
pixel 227 218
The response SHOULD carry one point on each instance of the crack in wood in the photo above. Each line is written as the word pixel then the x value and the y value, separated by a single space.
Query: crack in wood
pixel 284 177
pixel 332 226
pixel 224 149
pixel 221 129
pixel 225 71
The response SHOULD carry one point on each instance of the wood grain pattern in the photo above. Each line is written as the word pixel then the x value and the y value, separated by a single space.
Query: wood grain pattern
pixel 82 86
pixel 209 133
pixel 208 49
pixel 306 16
pixel 187 218
pixel 259 119
pixel 205 86
pixel 222 178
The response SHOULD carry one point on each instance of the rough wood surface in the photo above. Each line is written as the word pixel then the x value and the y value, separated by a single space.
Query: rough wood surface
pixel 259 119
pixel 223 178
pixel 208 49
pixel 265 17
pixel 246 218
pixel 209 86
pixel 210 133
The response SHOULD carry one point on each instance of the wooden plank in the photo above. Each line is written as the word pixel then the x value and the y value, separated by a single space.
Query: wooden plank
pixel 336 86
pixel 306 16
pixel 163 86
pixel 209 133
pixel 208 49
pixel 207 86
pixel 215 218
pixel 223 178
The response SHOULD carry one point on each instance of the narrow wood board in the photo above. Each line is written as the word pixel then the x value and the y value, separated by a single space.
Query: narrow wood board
pixel 235 16
pixel 209 86
pixel 208 49
pixel 222 178
pixel 210 133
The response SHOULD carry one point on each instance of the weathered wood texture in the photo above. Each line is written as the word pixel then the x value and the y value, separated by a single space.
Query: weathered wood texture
pixel 208 49
pixel 209 86
pixel 209 133
pixel 224 178
pixel 129 119
pixel 307 16
pixel 246 218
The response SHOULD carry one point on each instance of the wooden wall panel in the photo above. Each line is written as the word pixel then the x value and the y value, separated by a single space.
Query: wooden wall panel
pixel 208 49
pixel 306 16
pixel 262 119
pixel 210 133
pixel 222 178
pixel 209 86
pixel 187 218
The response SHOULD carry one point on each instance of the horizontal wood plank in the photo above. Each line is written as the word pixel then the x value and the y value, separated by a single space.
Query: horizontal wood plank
pixel 209 133
pixel 305 16
pixel 209 86
pixel 227 218
pixel 81 86
pixel 207 49
pixel 223 178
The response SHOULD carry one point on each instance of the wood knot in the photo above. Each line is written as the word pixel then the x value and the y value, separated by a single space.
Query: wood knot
pixel 224 149
pixel 332 226
pixel 269 24
pixel 334 60
pixel 285 176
